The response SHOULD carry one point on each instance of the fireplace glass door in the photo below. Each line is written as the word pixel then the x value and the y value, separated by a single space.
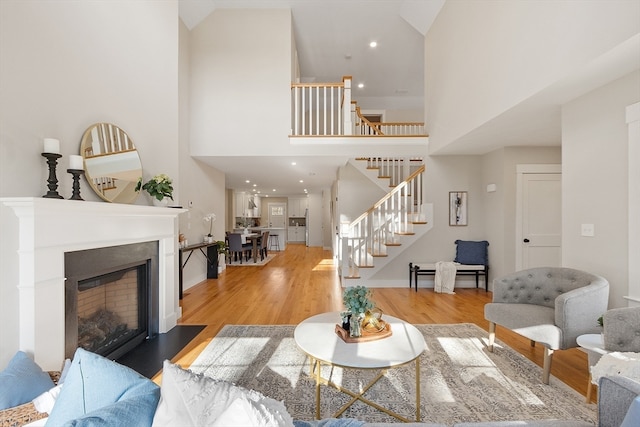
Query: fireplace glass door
pixel 112 310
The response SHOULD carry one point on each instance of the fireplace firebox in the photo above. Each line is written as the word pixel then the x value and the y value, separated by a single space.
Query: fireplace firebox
pixel 111 298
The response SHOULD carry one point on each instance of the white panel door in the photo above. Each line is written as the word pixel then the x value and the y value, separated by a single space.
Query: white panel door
pixel 277 214
pixel 540 219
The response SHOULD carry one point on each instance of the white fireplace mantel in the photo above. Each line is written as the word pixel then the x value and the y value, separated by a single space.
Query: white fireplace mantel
pixel 36 233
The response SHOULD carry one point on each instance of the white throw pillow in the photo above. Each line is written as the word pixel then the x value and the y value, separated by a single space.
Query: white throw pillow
pixel 189 399
pixel 45 402
pixel 244 413
pixel 37 423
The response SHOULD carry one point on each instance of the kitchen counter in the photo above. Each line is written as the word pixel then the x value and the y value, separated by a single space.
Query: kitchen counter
pixel 280 231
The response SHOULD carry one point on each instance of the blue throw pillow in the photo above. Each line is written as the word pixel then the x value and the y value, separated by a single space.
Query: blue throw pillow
pixel 472 253
pixel 22 381
pixel 100 392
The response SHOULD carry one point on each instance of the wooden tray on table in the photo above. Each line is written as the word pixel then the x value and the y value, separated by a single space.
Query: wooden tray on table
pixel 367 335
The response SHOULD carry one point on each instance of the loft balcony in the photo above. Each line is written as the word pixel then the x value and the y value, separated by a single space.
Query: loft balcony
pixel 327 110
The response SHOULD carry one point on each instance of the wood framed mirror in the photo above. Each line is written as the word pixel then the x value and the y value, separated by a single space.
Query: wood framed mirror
pixel 111 162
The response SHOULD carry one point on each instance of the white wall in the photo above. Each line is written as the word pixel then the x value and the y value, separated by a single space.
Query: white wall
pixel 203 185
pixel 483 58
pixel 240 70
pixel 356 193
pixel 67 65
pixel 595 184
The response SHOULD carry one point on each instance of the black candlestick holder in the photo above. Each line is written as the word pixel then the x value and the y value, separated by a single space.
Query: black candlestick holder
pixel 76 183
pixel 52 161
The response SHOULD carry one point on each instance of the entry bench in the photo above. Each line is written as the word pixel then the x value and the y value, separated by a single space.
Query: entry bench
pixel 471 260
pixel 429 269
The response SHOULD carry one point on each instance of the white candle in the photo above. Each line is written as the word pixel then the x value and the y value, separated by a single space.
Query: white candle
pixel 51 145
pixel 75 162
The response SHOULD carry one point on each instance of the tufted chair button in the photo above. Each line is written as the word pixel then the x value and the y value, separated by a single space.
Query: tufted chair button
pixel 530 276
pixel 548 275
pixel 537 288
pixel 547 299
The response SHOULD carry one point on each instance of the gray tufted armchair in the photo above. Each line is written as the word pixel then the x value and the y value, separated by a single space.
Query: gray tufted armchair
pixel 622 329
pixel 549 305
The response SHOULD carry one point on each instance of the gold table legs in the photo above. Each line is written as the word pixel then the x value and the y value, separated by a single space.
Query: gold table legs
pixel 316 365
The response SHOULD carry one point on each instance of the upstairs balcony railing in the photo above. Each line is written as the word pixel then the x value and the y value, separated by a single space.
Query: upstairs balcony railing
pixel 327 109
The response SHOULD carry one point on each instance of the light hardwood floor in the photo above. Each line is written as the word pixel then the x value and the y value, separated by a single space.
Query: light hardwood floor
pixel 301 282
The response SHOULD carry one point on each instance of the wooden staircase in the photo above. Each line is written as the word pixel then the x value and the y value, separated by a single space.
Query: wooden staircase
pixel 400 217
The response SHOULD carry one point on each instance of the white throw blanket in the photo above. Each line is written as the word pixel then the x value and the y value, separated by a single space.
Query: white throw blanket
pixel 445 277
pixel 617 363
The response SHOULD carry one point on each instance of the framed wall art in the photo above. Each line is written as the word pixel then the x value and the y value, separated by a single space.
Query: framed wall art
pixel 458 208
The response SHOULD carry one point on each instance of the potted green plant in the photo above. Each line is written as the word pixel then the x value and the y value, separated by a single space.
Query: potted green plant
pixel 357 300
pixel 222 252
pixel 159 187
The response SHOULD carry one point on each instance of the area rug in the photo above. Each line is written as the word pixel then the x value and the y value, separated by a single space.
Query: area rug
pixel 250 263
pixel 460 380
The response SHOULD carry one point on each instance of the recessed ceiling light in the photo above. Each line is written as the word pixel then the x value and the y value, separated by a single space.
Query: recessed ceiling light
pixel 273 190
pixel 247 181
pixel 293 163
pixel 360 85
pixel 255 185
pixel 373 44
pixel 301 181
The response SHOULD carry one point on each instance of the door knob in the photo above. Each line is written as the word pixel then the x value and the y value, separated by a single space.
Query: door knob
pixel 526 240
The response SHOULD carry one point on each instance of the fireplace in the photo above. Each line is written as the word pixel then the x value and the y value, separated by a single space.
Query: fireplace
pixel 110 295
pixel 37 234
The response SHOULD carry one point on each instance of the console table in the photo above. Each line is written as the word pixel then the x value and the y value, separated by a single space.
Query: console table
pixel 211 255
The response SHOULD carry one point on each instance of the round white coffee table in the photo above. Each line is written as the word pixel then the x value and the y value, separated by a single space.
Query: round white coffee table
pixel 317 338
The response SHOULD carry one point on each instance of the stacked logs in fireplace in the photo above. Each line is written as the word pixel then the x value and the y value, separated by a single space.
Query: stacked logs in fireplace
pixel 102 331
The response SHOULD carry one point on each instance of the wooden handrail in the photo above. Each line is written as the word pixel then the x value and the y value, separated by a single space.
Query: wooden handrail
pixel 314 85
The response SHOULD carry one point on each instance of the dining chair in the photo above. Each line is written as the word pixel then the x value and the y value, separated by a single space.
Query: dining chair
pixel 236 247
pixel 264 243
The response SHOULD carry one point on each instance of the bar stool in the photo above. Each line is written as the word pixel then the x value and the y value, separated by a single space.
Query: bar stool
pixel 274 242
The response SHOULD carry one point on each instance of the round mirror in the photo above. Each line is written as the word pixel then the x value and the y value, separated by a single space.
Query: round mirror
pixel 111 163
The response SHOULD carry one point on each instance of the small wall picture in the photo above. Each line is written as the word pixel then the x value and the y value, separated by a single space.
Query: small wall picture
pixel 458 208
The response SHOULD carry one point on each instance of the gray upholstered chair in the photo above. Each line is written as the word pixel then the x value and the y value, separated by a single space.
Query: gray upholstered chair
pixel 549 305
pixel 622 329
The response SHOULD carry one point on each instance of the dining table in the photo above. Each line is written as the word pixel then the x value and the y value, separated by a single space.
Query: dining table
pixel 254 238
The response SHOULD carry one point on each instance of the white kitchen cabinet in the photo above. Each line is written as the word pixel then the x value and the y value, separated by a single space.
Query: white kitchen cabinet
pixel 296 234
pixel 243 203
pixel 297 206
pixel 240 204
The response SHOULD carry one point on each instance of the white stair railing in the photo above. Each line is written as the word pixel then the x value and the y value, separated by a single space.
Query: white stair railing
pixel 328 109
pixel 321 109
pixel 395 214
